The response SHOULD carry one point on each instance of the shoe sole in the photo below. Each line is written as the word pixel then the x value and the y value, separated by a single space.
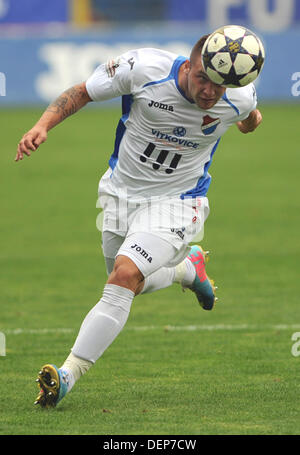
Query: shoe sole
pixel 49 383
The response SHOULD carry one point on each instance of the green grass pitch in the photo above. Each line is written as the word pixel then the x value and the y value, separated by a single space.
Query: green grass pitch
pixel 175 369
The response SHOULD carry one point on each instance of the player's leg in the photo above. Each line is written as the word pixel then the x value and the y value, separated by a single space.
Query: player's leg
pixel 184 273
pixel 190 274
pixel 107 318
pixel 50 377
pixel 99 328
pixel 139 256
pixel 104 322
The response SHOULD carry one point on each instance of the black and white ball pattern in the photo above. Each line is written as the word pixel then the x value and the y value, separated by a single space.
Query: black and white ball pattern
pixel 233 56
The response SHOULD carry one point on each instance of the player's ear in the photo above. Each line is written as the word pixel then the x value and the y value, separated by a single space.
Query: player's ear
pixel 187 66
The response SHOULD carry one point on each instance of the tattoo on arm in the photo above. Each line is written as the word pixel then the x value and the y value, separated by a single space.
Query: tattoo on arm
pixel 68 102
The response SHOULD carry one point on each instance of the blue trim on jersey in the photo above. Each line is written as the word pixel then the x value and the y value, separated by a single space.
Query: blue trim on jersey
pixel 172 75
pixel 121 128
pixel 203 183
pixel 224 97
pixel 176 65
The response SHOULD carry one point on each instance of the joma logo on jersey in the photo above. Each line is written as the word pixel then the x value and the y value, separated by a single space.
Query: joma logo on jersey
pixel 166 107
pixel 140 250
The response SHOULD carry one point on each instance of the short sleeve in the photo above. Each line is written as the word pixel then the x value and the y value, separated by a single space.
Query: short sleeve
pixel 112 79
pixel 248 101
pixel 128 73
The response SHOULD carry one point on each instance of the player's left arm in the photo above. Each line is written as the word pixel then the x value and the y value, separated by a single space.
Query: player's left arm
pixel 250 124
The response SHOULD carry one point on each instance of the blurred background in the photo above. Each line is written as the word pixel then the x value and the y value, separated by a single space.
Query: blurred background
pixel 46 47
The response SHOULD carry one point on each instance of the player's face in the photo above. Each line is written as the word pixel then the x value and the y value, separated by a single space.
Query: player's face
pixel 201 89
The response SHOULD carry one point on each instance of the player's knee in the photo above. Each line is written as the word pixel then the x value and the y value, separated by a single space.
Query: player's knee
pixel 126 274
pixel 123 274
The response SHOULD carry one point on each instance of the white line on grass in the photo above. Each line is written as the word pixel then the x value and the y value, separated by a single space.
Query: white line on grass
pixel 35 331
pixel 202 327
pixel 167 328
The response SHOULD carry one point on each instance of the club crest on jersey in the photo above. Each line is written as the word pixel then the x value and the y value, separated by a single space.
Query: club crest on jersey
pixel 209 124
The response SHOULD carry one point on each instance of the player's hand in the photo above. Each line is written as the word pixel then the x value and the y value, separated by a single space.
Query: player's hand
pixel 251 122
pixel 31 141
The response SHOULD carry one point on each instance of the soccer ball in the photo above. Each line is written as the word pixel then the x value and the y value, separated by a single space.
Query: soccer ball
pixel 233 56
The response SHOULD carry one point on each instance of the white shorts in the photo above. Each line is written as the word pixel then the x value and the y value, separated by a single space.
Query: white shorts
pixel 153 233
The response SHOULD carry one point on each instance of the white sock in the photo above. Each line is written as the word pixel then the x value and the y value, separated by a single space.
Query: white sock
pixel 185 273
pixel 160 279
pixel 73 368
pixel 103 323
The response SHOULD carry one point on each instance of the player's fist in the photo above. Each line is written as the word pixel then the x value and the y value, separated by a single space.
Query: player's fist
pixel 251 122
pixel 31 141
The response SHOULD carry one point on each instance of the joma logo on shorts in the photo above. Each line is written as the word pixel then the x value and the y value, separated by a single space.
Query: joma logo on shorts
pixel 179 232
pixel 164 106
pixel 142 252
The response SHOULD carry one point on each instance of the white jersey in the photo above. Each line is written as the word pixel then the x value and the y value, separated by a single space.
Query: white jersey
pixel 164 142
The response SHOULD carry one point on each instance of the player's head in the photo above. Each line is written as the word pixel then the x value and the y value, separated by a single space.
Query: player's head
pixel 197 49
pixel 199 87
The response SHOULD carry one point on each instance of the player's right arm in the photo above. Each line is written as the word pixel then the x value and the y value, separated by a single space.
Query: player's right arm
pixel 65 105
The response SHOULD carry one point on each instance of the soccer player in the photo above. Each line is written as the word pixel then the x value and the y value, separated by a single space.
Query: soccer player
pixel 154 191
